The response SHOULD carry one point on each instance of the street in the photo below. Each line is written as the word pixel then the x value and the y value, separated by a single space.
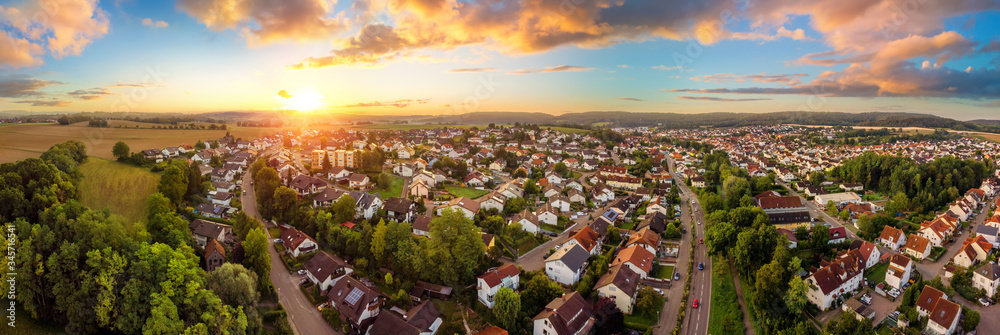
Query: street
pixel 818 211
pixel 302 315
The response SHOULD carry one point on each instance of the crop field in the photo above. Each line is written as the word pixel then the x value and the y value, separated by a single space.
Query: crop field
pixel 20 141
pixel 122 188
pixel 406 126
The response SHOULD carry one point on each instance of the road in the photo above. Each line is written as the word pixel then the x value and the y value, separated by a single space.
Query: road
pixel 696 320
pixel 929 269
pixel 302 315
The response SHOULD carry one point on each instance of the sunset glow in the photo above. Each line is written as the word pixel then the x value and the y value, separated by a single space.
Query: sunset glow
pixel 306 101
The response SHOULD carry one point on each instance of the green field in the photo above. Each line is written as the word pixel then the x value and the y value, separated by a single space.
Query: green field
pixel 725 316
pixel 470 193
pixel 664 272
pixel 406 126
pixel 120 187
pixel 395 188
pixel 567 130
pixel 877 273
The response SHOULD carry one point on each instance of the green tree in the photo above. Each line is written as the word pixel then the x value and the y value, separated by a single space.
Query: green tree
pixel 326 161
pixel 848 324
pixel 174 183
pixel 243 223
pixel 265 183
pixel 121 150
pixel 195 180
pixel 235 285
pixel 647 301
pixel 257 258
pixel 506 307
pixel 456 247
pixel 795 297
pixel 283 202
pixel 820 237
pixel 199 145
pixel 343 209
pixel 971 320
pixel 537 292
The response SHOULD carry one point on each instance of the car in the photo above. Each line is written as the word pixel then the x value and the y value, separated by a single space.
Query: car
pixel 701 266
pixel 278 240
pixel 695 304
pixel 302 271
pixel 244 192
pixel 701 241
pixel 677 276
pixel 659 291
pixel 984 302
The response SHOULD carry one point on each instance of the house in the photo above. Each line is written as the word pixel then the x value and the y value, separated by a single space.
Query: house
pixel 224 186
pixel 698 182
pixel 360 181
pixel 203 231
pixel 646 239
pixel 527 220
pixel 567 264
pixel 987 277
pixel 153 155
pixel 637 258
pixel 550 191
pixel 587 238
pixel 793 242
pixel 338 173
pixel 869 252
pixel 861 311
pixel 837 235
pixel 547 214
pixel 422 225
pixel 487 284
pixel 209 210
pixel 973 251
pixel 400 209
pixel 297 243
pixel 570 314
pixel 943 314
pixel 222 198
pixel 466 206
pixel 989 233
pixel 892 238
pixel 917 246
pixel 366 204
pixel 475 180
pixel 835 279
pixel 215 255
pixel 837 198
pixel 621 284
pixel 602 193
pixel 561 202
pixel 357 303
pixel 784 212
pixel 327 196
pixel 325 270
pixel 899 271
pixel 221 174
pixel 422 319
pixel 419 189
pixel 852 187
pixel 494 200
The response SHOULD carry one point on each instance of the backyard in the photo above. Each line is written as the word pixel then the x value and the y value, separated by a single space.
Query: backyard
pixel 395 188
pixel 877 273
pixel 467 192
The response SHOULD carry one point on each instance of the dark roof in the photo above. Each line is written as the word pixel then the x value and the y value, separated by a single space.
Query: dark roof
pixel 623 278
pixel 574 256
pixel 351 298
pixel 392 323
pixel 397 205
pixel 422 316
pixel 423 222
pixel 324 265
pixel 208 228
pixel 569 314
pixel 991 271
pixel 929 297
pixel 779 202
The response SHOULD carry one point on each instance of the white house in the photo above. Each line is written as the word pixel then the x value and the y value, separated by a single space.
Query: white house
pixel 621 284
pixel 297 243
pixel 325 270
pixel 899 271
pixel 892 238
pixel 466 206
pixel 839 278
pixel 567 264
pixel 560 202
pixel 547 215
pixel 987 277
pixel 528 221
pixel 569 314
pixel 505 276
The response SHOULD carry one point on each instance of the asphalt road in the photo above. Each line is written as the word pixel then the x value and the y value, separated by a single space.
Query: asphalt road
pixel 302 315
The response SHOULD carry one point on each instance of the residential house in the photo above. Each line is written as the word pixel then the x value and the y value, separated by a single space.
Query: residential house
pixel 203 231
pixel 327 196
pixel 869 252
pixel 587 238
pixel 547 214
pixel 973 251
pixel 621 284
pixel 505 276
pixel 987 277
pixel 943 314
pixel 899 271
pixel 892 238
pixel 570 314
pixel 422 225
pixel 324 270
pixel 835 279
pixel 567 264
pixel 917 246
pixel 419 189
pixel 646 239
pixel 360 181
pixel 357 303
pixel 422 319
pixel 297 243
pixel 637 258
pixel 494 200
pixel 366 204
pixel 527 220
pixel 215 255
pixel 466 206
pixel 222 198
pixel 561 202
pixel 400 209
pixel 837 235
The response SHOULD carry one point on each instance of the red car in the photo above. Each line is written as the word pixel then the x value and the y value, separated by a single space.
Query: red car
pixel 701 240
pixel 695 304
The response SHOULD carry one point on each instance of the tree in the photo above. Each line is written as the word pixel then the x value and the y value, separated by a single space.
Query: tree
pixel 235 285
pixel 820 237
pixel 256 257
pixel 343 209
pixel 971 320
pixel 456 246
pixel 243 224
pixel 199 145
pixel 795 297
pixel 538 292
pixel 507 305
pixel 610 319
pixel 817 178
pixel 647 301
pixel 561 169
pixel 283 201
pixel 326 161
pixel 721 238
pixel 121 150
pixel 174 183
pixel 848 324
pixel 195 180
pixel 265 184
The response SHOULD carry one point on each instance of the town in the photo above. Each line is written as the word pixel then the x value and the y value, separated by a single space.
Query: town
pixel 527 229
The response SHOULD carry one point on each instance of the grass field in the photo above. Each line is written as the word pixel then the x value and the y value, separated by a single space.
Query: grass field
pixel 395 188
pixel 470 193
pixel 120 187
pixel 567 130
pixel 664 272
pixel 877 273
pixel 406 126
pixel 725 316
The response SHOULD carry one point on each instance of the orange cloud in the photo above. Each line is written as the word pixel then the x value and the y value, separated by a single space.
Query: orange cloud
pixel 65 28
pixel 267 21
pixel 152 23
pixel 560 68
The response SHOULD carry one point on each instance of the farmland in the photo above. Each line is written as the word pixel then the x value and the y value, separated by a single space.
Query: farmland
pixel 121 188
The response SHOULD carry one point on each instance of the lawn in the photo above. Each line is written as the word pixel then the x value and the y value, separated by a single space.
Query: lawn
pixel 395 188
pixel 936 253
pixel 640 322
pixel 568 130
pixel 877 273
pixel 725 316
pixel 552 228
pixel 470 193
pixel 664 272
pixel 120 187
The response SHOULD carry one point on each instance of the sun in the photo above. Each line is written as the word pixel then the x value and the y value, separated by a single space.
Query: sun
pixel 305 102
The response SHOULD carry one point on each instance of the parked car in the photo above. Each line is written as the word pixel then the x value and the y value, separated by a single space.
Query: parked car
pixel 677 276
pixel 302 271
pixel 984 302
pixel 278 240
pixel 701 266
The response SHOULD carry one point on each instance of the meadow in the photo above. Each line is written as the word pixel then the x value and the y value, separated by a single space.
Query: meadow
pixel 119 187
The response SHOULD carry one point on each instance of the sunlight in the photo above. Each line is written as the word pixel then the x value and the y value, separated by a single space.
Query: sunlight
pixel 304 102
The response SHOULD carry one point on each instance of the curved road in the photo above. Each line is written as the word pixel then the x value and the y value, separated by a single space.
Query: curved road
pixel 302 315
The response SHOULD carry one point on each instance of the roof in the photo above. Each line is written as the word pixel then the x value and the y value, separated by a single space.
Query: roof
pixel 891 234
pixel 351 298
pixel 587 238
pixel 329 194
pixel 214 246
pixel 397 205
pixel 623 277
pixel 358 177
pixel 324 265
pixel 208 228
pixel 945 312
pixel 917 243
pixel 492 330
pixel 392 323
pixel 838 232
pixel 569 314
pixel 841 270
pixel 469 204
pixel 644 237
pixel 990 271
pixel 779 202
pixel 495 276
pixel 929 297
pixel 421 316
pixel 638 256
pixel 423 223
pixel 574 256
pixel 293 238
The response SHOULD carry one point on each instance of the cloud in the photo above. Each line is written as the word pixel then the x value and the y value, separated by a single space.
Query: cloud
pixel 92 94
pixel 478 69
pixel 560 68
pixel 667 68
pixel 20 86
pixel 720 99
pixel 797 34
pixel 267 21
pixel 623 66
pixel 156 24
pixel 401 103
pixel 284 94
pixel 44 103
pixel 630 99
pixel 65 29
pixel 781 78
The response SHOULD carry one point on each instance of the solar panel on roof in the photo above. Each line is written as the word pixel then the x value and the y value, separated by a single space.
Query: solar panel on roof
pixel 354 296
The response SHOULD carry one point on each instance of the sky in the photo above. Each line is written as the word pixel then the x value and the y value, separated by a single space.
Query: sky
pixel 459 56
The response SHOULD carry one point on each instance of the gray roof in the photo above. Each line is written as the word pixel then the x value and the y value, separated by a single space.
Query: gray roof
pixel 991 271
pixel 574 256
pixel 986 230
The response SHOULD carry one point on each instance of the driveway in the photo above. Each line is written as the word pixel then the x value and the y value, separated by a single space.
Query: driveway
pixel 302 315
